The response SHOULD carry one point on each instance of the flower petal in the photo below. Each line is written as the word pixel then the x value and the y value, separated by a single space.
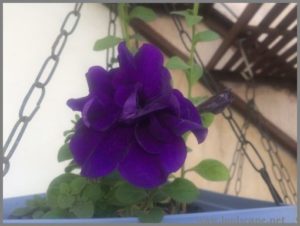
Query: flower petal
pixel 125 58
pixel 77 104
pixel 173 156
pixel 153 137
pixel 151 73
pixel 83 142
pixel 99 116
pixel 142 169
pixel 217 103
pixel 99 153
pixel 100 84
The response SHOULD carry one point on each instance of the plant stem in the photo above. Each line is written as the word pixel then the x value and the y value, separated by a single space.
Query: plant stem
pixel 192 50
pixel 124 18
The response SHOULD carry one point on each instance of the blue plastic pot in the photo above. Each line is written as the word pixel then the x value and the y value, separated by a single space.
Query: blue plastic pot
pixel 215 208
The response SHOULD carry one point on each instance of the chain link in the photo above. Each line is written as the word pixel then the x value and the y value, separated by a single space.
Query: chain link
pixel 110 52
pixel 50 63
pixel 246 146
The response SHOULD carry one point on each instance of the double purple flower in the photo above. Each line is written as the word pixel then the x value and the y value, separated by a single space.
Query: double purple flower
pixel 133 121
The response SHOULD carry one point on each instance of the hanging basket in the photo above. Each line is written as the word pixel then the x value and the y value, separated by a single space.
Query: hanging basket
pixel 211 207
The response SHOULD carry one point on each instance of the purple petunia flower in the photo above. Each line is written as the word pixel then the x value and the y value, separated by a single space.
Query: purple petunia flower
pixel 133 121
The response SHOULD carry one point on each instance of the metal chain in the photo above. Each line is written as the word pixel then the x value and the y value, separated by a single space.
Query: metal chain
pixel 246 145
pixel 280 172
pixel 110 52
pixel 67 28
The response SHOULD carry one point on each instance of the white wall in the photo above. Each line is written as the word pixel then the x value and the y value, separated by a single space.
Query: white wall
pixel 29 31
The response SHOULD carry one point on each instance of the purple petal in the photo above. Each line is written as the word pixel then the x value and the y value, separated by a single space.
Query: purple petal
pixel 151 74
pixel 99 116
pixel 122 93
pixel 125 58
pixel 153 137
pixel 173 157
pixel 77 104
pixel 100 84
pixel 83 142
pixel 217 103
pixel 142 169
pixel 131 105
pixel 99 153
pixel 180 126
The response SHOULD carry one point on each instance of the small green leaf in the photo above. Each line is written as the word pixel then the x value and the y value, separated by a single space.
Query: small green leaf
pixel 128 194
pixel 207 118
pixel 37 214
pixel 137 37
pixel 83 209
pixel 72 165
pixel 142 13
pixel 212 170
pixel 181 13
pixel 54 214
pixel 20 212
pixel 188 149
pixel 67 132
pixel 204 36
pixel 77 185
pixel 160 196
pixel 198 100
pixel 176 63
pixel 65 201
pixel 182 190
pixel 107 42
pixel 155 215
pixel 92 192
pixel 64 188
pixel 64 153
pixel 196 73
pixel 54 188
pixel 192 20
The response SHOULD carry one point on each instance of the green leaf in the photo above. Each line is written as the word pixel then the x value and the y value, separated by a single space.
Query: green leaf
pixel 54 188
pixel 83 209
pixel 128 194
pixel 196 73
pixel 24 211
pixel 77 185
pixel 188 149
pixel 72 165
pixel 142 13
pixel 107 42
pixel 37 214
pixel 176 63
pixel 181 13
pixel 212 170
pixel 189 17
pixel 192 20
pixel 160 196
pixel 204 36
pixel 155 215
pixel 64 153
pixel 65 201
pixel 64 188
pixel 207 118
pixel 198 100
pixel 137 37
pixel 92 192
pixel 55 213
pixel 181 190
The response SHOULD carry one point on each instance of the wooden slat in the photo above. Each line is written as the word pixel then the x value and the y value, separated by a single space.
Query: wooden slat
pixel 273 81
pixel 238 104
pixel 248 13
pixel 262 59
pixel 266 22
pixel 273 51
